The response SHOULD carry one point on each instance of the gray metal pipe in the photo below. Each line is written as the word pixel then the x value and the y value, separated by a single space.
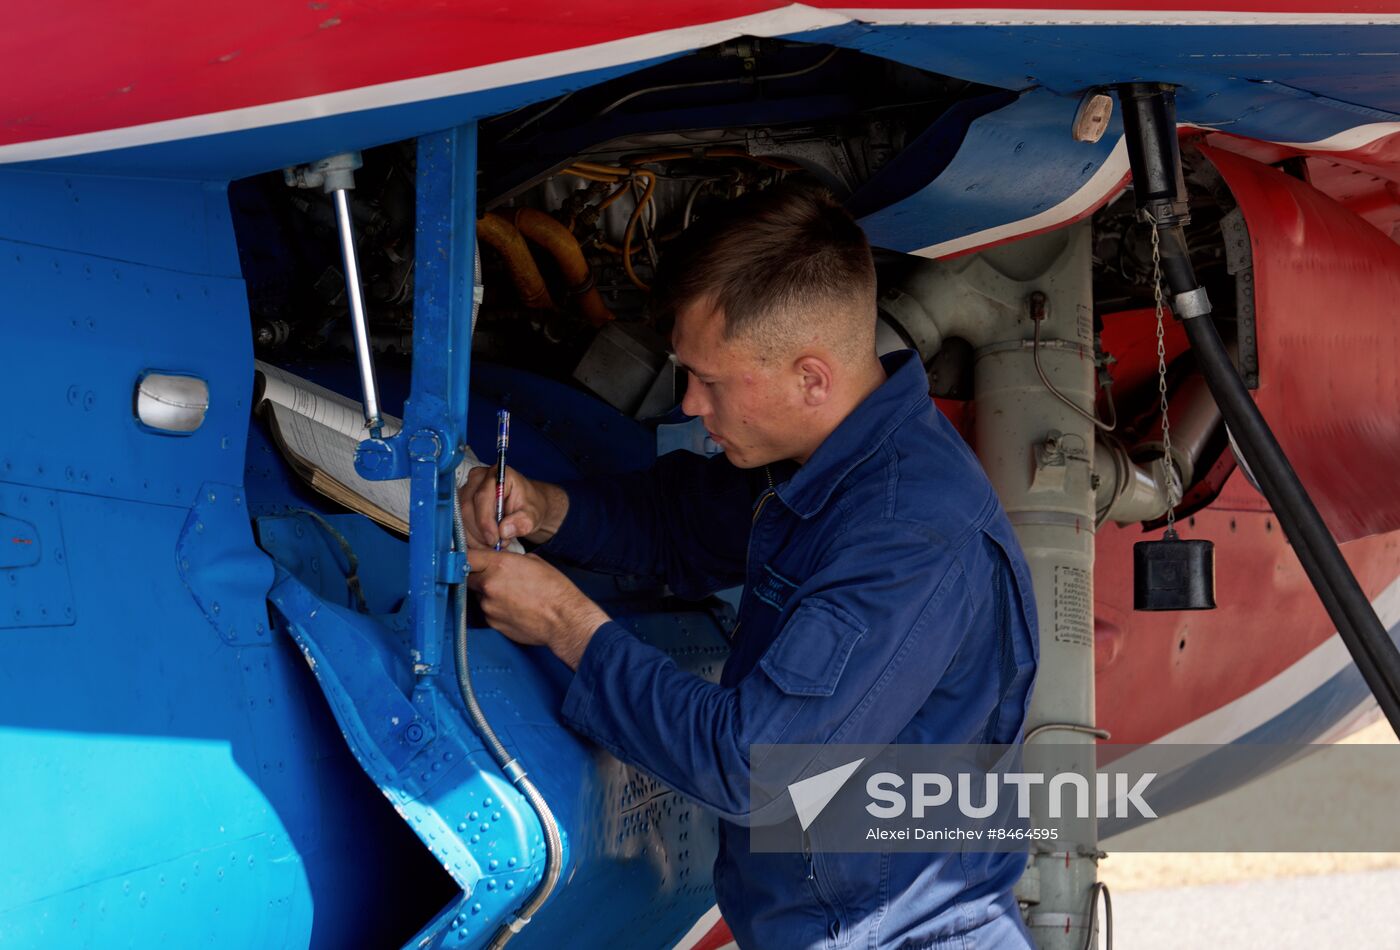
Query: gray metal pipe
pixel 1039 454
pixel 1194 417
pixel 1129 491
pixel 549 825
pixel 335 175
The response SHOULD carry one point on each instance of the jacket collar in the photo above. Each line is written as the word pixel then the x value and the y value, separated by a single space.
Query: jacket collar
pixel 859 435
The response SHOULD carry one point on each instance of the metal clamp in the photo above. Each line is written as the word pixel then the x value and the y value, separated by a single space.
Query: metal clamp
pixel 1193 303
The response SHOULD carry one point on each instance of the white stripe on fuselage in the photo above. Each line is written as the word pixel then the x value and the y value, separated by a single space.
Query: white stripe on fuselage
pixel 1268 700
pixel 973 16
pixel 1103 182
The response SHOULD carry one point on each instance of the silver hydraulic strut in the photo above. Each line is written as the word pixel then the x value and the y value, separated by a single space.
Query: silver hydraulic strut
pixel 336 176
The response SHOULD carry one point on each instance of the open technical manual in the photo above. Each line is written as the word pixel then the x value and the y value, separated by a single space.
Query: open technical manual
pixel 318 429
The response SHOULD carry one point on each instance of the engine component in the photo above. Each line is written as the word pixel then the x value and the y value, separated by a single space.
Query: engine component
pixel 500 234
pixel 1126 492
pixel 623 366
pixel 555 238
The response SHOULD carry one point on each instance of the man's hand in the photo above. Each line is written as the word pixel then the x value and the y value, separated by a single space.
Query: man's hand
pixel 533 510
pixel 531 602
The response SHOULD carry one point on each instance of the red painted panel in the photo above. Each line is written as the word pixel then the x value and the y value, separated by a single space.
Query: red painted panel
pixel 1365 180
pixel 1161 6
pixel 1326 285
pixel 717 938
pixel 1381 152
pixel 963 415
pixel 1326 282
pixel 95 65
pixel 1130 337
pixel 1157 672
pixel 90 65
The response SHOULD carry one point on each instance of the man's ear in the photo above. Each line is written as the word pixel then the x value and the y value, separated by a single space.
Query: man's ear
pixel 814 374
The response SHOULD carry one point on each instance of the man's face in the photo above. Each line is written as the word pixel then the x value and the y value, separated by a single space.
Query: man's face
pixel 752 407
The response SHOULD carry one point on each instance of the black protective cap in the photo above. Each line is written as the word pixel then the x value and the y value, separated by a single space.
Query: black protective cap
pixel 1172 574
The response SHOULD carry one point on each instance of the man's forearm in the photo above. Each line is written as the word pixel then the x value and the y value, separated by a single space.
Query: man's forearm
pixel 581 622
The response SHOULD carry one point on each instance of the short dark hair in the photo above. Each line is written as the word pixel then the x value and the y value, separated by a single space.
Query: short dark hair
pixel 784 250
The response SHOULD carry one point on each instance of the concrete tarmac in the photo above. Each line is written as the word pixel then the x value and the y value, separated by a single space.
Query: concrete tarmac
pixel 1351 911
pixel 1280 901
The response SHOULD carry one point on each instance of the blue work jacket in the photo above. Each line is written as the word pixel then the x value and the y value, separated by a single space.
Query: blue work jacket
pixel 886 600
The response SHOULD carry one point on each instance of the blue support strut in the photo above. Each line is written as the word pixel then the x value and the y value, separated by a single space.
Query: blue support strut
pixel 435 415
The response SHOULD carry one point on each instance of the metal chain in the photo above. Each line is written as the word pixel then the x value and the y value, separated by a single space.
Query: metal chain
pixel 1172 479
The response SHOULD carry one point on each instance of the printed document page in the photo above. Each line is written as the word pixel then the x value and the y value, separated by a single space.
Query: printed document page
pixel 318 430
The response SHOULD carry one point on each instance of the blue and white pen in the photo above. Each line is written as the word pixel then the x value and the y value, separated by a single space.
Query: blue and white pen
pixel 502 443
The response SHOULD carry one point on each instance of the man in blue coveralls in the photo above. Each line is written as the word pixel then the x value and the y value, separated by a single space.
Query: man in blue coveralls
pixel 886 599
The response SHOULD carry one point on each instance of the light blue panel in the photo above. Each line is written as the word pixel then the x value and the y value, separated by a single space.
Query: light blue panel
pixel 134 730
pixel 194 900
pixel 422 753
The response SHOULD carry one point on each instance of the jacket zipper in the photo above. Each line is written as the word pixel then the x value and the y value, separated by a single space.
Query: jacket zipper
pixel 768 492
pixel 833 923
